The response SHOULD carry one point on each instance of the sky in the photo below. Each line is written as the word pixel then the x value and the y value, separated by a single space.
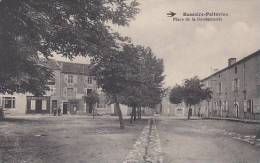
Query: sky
pixel 195 48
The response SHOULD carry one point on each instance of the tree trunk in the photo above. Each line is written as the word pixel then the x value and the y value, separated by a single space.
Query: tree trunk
pixel 118 110
pixel 189 112
pixel 93 111
pixel 2 114
pixel 134 113
pixel 115 110
pixel 139 112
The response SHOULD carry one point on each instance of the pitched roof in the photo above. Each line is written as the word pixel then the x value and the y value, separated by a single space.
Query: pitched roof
pixel 66 67
pixel 238 62
pixel 74 68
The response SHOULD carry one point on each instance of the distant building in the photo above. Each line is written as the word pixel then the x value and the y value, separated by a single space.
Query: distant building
pixel 177 110
pixel 72 82
pixel 236 89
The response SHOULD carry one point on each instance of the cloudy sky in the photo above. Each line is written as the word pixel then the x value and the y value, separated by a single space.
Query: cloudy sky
pixel 195 48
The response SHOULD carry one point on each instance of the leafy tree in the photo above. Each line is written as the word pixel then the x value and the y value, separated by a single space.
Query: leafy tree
pixel 176 94
pixel 91 99
pixel 192 93
pixel 145 77
pixel 130 75
pixel 152 75
pixel 110 72
pixel 29 28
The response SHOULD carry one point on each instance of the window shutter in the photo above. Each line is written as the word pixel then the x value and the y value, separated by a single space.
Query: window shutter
pixel 32 104
pixel 233 85
pixel 245 105
pixel 65 78
pixel 65 92
pixel 54 91
pixel 75 79
pixel 252 106
pixel 238 83
pixel 75 91
pixel 226 105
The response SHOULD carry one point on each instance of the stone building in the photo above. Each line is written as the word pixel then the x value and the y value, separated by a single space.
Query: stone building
pixel 177 110
pixel 72 82
pixel 236 89
pixel 13 103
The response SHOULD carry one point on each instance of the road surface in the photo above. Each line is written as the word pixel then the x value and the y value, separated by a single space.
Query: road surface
pixel 204 141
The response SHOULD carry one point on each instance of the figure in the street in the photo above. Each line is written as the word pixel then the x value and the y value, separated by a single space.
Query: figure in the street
pixel 189 113
pixel 1 113
pixel 54 111
pixel 59 112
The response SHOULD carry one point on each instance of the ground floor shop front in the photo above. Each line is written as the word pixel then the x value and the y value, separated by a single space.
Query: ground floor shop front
pixel 52 105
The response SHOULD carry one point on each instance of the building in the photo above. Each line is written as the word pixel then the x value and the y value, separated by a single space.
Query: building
pixel 72 82
pixel 236 89
pixel 13 104
pixel 178 110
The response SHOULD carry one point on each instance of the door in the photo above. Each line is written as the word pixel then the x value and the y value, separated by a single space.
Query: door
pixel 65 108
pixel 38 106
pixel 237 110
pixel 54 105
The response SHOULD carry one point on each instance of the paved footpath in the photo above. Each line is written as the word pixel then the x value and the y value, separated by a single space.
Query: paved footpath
pixel 147 148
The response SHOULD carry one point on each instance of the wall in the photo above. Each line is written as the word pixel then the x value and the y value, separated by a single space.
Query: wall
pixel 20 104
pixel 247 76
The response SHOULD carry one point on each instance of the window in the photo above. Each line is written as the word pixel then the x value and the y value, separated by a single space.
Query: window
pixel 258 91
pixel 207 84
pixel 51 82
pixel 70 79
pixel 70 92
pixel 244 93
pixel 225 105
pixel 235 84
pixel 235 70
pixel 89 91
pixel 219 87
pixel 33 102
pixel 215 105
pixel 44 104
pixel 89 80
pixel 52 91
pixel 9 102
pixel 250 106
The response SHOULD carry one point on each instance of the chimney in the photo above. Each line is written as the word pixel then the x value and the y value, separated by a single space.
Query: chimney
pixel 231 61
pixel 213 70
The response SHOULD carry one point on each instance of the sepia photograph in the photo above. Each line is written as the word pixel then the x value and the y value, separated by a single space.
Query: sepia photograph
pixel 129 81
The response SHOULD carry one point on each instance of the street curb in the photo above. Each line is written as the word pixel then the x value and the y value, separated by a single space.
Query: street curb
pixel 147 148
pixel 233 119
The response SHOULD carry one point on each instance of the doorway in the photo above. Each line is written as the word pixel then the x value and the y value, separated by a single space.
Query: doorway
pixel 65 108
pixel 38 106
pixel 237 110
pixel 54 104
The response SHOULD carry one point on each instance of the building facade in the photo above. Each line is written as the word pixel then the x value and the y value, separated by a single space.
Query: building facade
pixel 235 89
pixel 177 110
pixel 13 103
pixel 72 82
